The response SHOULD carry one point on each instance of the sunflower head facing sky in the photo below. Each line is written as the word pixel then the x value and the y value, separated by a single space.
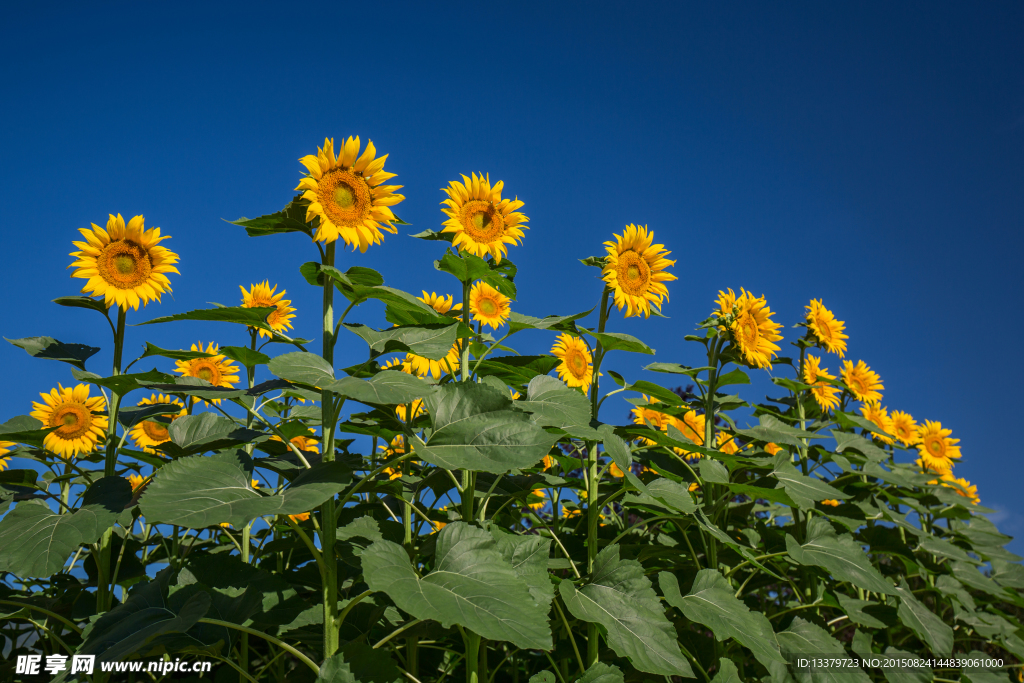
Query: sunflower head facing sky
pixel 863 382
pixel 826 395
pixel 76 416
pixel 938 451
pixel 751 328
pixel 124 264
pixel 263 296
pixel 826 329
pixel 215 369
pixel 149 433
pixel 576 368
pixel 635 271
pixel 346 193
pixel 488 306
pixel 480 220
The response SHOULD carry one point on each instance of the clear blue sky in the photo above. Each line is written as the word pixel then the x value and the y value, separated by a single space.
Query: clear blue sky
pixel 870 154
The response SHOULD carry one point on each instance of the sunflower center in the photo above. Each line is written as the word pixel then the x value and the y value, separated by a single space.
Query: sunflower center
pixel 577 364
pixel 345 198
pixel 824 331
pixel 204 369
pixel 935 447
pixel 634 273
pixel 72 420
pixel 857 384
pixel 124 264
pixel 155 431
pixel 482 221
pixel 748 331
pixel 488 307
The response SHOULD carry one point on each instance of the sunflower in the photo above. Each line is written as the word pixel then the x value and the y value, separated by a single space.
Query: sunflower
pixel 488 306
pixel 136 481
pixel 831 502
pixel 826 395
pixel 124 264
pixel 410 411
pixel 303 443
pixel 862 381
pixel 961 486
pixel 215 369
pixel 301 517
pixel 394 449
pixel 645 415
pixel 829 331
pixel 548 462
pixel 75 415
pixel 752 329
pixel 879 416
pixel 439 525
pixel 772 448
pixel 399 365
pixel 150 433
pixel 569 514
pixel 346 194
pixel 576 368
pixel 262 296
pixel 421 366
pixel 616 471
pixel 692 425
pixel 440 302
pixel 635 271
pixel 693 487
pixel 541 499
pixel 904 428
pixel 482 222
pixel 727 443
pixel 937 450
pixel 5 448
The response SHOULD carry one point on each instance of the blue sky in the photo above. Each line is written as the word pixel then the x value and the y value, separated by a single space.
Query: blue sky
pixel 869 154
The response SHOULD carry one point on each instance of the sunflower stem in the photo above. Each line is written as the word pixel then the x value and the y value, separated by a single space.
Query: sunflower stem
pixel 593 510
pixel 328 514
pixel 104 594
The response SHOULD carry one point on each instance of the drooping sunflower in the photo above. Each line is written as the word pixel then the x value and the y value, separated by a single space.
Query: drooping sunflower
pixel 149 433
pixel 692 425
pixel 938 451
pixel 75 415
pixel 488 306
pixel 879 416
pixel 727 443
pixel 752 328
pixel 904 428
pixel 215 369
pixel 481 221
pixel 124 264
pixel 862 381
pixel 576 368
pixel 303 443
pixel 961 486
pixel 421 366
pixel 301 517
pixel 829 331
pixel 346 193
pixel 439 302
pixel 263 296
pixel 826 395
pixel 635 271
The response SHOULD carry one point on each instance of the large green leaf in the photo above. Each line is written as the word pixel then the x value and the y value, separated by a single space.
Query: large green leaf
pixel 854 609
pixel 292 218
pixel 906 674
pixel 357 662
pixel 476 428
pixel 430 341
pixel 841 556
pixel 24 429
pixel 616 341
pixel 845 440
pixel 175 354
pixel 122 384
pixel 553 404
pixel 773 430
pixel 804 490
pixel 931 629
pixel 804 638
pixel 302 367
pixel 619 597
pixel 388 387
pixel 713 603
pixel 252 317
pixel 603 673
pixel 48 347
pixel 208 432
pixel 969 575
pixel 472 585
pixel 98 305
pixel 518 321
pixel 467 267
pixel 517 369
pixel 528 556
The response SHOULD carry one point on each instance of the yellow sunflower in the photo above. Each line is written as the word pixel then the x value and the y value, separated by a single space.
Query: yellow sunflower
pixel 727 443
pixel 136 480
pixel 262 296
pixel 540 501
pixel 576 368
pixel 646 415
pixel 5 448
pixel 862 381
pixel 829 331
pixel 346 194
pixel 215 369
pixel 693 487
pixel 488 306
pixel 904 428
pixel 399 365
pixel 831 502
pixel 407 412
pixel 394 449
pixel 937 450
pixel 421 367
pixel 548 462
pixel 439 302
pixel 303 443
pixel 301 517
pixel 752 329
pixel 482 222
pixel 879 416
pixel 961 486
pixel 772 448
pixel 150 433
pixel 616 471
pixel 826 395
pixel 635 271
pixel 124 264
pixel 75 415
pixel 692 425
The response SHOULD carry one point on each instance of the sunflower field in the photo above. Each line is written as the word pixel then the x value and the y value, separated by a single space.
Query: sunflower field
pixel 445 508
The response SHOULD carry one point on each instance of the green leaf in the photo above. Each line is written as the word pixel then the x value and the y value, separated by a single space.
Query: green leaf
pixel 517 370
pixel 712 602
pixel 252 317
pixel 469 267
pixel 434 235
pixel 804 490
pixel 736 376
pixel 471 585
pixel 618 596
pixel 153 350
pixel 476 428
pixel 854 609
pixel 851 421
pixel 123 384
pixel 932 630
pixel 48 347
pixel 553 404
pixel 357 662
pixel 430 341
pixel 302 367
pixel 603 673
pixel 616 341
pixel 518 322
pixel 841 556
pixel 244 355
pixel 677 369
pixel 727 672
pixel 845 440
pixel 713 471
pixel 24 429
pixel 804 638
pixel 528 556
pixel 543 677
pixel 292 218
pixel 665 396
pixel 773 430
pixel 969 575
pixel 673 494
pixel 907 674
pixel 82 302
pixel 208 431
pixel 388 387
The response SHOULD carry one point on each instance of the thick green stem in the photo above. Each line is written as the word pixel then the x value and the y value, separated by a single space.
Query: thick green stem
pixel 593 509
pixel 472 641
pixel 328 511
pixel 104 591
pixel 243 645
